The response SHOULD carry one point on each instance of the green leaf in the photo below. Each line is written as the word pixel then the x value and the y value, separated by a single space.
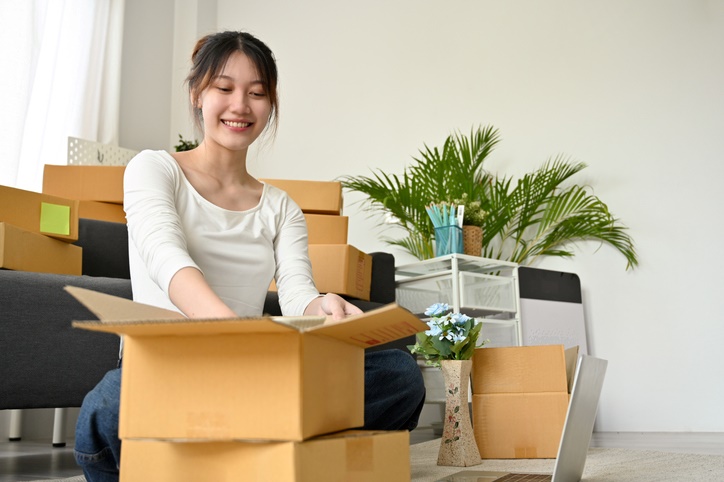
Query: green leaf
pixel 540 214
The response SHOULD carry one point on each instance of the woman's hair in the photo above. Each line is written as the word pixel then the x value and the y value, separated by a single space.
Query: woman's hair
pixel 210 56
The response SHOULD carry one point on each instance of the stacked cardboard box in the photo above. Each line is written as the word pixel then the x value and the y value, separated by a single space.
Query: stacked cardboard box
pixel 520 400
pixel 36 232
pixel 98 189
pixel 252 399
pixel 337 267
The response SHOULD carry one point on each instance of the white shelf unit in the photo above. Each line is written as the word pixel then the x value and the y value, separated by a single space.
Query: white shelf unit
pixel 483 288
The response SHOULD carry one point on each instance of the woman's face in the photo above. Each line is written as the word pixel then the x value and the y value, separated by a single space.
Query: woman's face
pixel 235 106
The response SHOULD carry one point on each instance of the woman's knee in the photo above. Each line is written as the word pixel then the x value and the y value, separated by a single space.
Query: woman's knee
pixel 97 425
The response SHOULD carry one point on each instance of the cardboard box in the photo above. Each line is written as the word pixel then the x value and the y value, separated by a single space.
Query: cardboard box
pixel 327 228
pixel 22 250
pixel 520 400
pixel 355 456
pixel 271 378
pixel 102 211
pixel 341 269
pixel 85 183
pixel 40 213
pixel 313 197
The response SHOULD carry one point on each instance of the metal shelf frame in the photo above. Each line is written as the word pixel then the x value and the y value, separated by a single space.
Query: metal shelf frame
pixel 450 267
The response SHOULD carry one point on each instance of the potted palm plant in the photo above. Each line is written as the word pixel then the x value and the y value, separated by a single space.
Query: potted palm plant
pixel 540 214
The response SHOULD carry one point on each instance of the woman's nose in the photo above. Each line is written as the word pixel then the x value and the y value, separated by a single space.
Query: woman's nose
pixel 241 104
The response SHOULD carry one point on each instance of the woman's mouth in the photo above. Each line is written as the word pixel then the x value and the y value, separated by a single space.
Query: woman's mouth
pixel 237 125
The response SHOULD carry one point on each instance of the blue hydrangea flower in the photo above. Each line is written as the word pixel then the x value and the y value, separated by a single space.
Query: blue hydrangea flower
pixel 437 309
pixel 459 318
pixel 434 330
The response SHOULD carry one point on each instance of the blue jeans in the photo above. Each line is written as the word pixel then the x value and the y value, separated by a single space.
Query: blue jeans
pixel 394 396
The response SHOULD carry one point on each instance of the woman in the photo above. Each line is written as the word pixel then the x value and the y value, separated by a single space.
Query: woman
pixel 206 239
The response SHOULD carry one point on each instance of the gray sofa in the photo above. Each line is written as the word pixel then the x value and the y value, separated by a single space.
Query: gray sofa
pixel 45 363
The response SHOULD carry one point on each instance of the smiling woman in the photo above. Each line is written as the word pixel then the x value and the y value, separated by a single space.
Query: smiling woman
pixel 206 239
pixel 210 59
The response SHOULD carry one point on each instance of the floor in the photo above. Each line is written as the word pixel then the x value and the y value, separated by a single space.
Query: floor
pixel 33 460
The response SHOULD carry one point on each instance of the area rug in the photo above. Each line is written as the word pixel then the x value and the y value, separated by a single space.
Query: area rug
pixel 602 465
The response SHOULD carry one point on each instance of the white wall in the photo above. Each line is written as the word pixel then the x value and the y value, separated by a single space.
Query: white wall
pixel 634 89
pixel 631 88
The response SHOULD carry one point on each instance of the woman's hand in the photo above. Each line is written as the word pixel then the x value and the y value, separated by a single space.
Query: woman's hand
pixel 331 304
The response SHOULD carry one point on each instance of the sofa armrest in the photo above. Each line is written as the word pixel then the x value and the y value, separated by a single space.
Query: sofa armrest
pixel 382 288
pixel 105 248
pixel 44 361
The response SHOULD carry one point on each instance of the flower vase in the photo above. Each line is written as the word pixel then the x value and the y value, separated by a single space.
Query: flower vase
pixel 457 447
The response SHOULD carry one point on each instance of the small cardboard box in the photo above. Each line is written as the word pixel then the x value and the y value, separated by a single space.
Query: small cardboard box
pixel 40 213
pixel 85 183
pixel 23 250
pixel 270 378
pixel 520 400
pixel 358 456
pixel 313 197
pixel 341 269
pixel 327 228
pixel 102 211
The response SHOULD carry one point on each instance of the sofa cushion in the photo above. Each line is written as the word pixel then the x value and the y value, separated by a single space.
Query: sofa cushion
pixel 44 361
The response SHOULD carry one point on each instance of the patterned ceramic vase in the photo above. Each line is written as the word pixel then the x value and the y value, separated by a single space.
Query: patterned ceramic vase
pixel 457 447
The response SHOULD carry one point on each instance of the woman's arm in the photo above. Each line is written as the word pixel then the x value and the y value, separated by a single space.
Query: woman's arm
pixel 156 231
pixel 191 294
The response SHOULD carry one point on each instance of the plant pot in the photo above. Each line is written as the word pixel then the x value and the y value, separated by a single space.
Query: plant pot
pixel 457 446
pixel 472 240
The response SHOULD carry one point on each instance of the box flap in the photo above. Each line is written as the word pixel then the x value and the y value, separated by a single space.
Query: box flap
pixel 126 317
pixel 186 326
pixel 387 323
pixel 108 307
pixel 571 355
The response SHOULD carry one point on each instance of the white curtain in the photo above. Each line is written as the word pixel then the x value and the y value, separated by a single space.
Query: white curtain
pixel 61 77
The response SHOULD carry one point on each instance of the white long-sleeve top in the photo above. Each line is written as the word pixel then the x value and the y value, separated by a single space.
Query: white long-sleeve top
pixel 171 226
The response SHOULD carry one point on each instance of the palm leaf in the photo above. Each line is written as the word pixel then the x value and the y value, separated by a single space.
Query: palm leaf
pixel 537 215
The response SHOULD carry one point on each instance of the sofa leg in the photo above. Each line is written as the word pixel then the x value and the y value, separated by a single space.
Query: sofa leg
pixel 59 428
pixel 16 425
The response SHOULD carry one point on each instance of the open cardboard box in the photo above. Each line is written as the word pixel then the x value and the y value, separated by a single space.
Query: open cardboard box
pixel 520 399
pixel 270 378
pixel 359 456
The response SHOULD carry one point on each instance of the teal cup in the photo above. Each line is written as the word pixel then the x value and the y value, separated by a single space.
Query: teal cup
pixel 448 240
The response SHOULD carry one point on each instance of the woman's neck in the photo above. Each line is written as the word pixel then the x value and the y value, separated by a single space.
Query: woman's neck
pixel 227 167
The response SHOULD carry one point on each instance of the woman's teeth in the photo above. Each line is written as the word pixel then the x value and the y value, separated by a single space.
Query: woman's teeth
pixel 236 124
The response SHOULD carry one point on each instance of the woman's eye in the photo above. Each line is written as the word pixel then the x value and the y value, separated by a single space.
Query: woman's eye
pixel 258 94
pixel 224 89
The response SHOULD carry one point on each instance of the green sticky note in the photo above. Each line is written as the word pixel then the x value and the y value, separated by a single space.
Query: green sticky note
pixel 54 219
